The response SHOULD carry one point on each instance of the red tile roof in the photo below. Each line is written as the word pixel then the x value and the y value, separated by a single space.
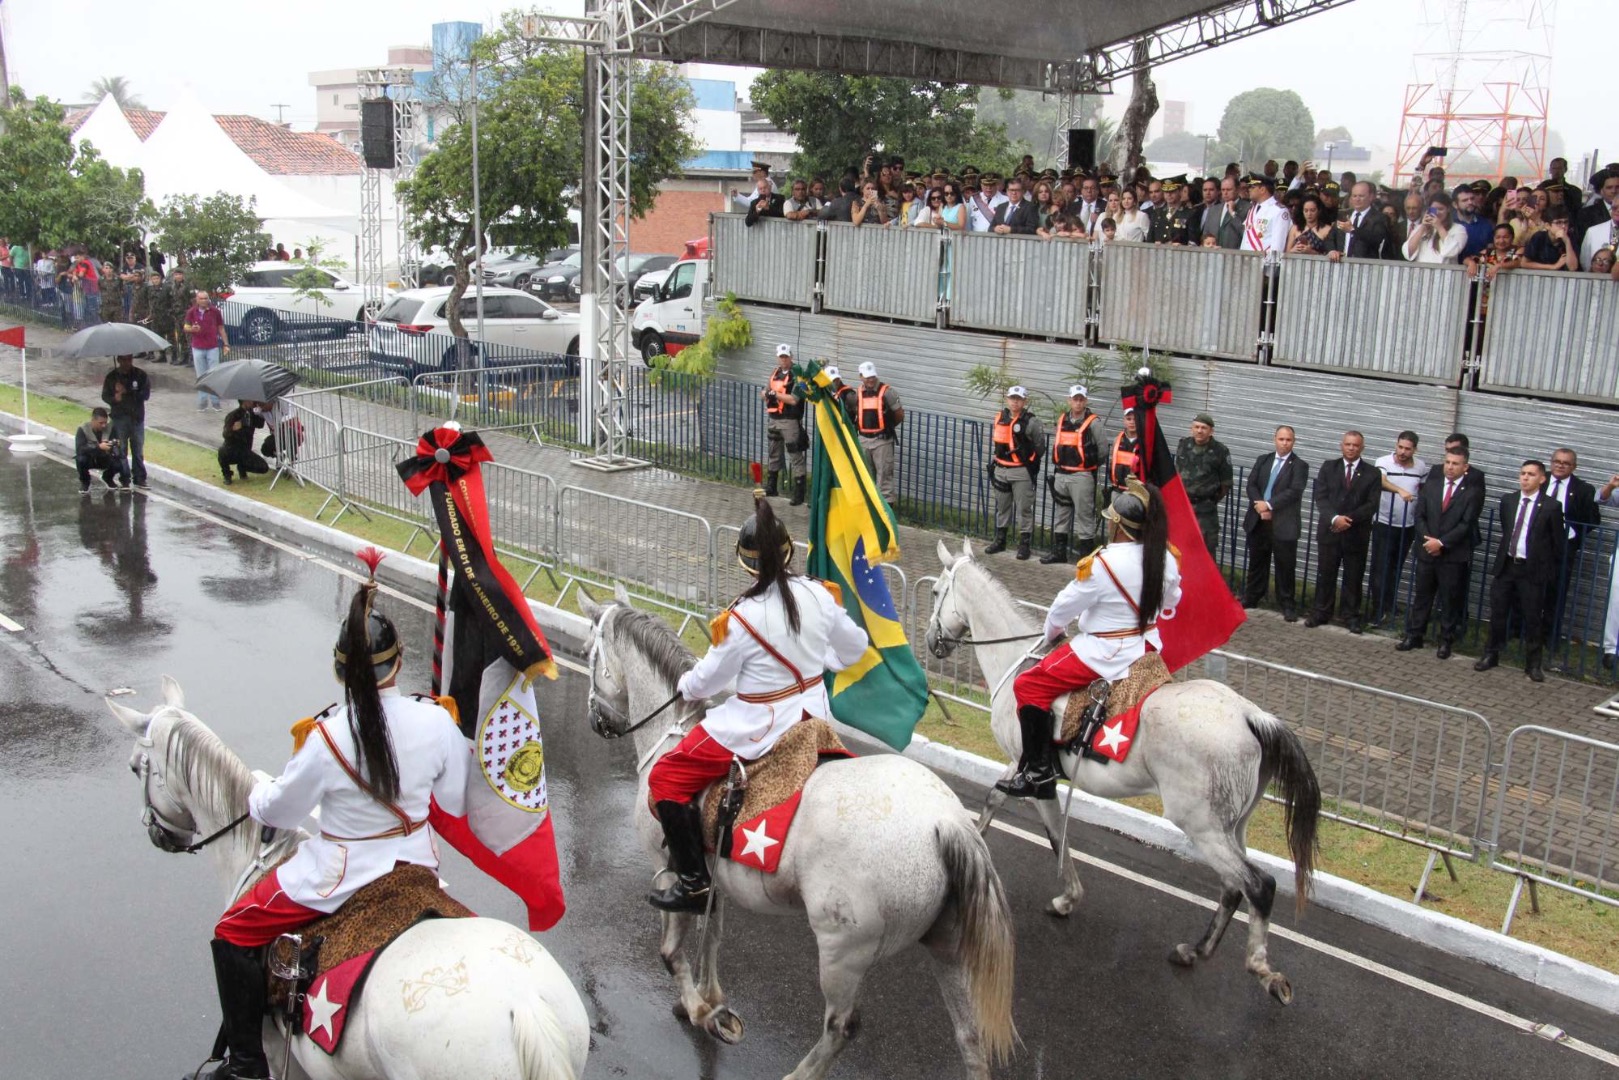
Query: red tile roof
pixel 275 149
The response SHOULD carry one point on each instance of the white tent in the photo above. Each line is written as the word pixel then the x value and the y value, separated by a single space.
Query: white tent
pixel 108 130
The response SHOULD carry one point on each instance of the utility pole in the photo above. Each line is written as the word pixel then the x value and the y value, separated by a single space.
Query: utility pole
pixel 280 111
pixel 5 72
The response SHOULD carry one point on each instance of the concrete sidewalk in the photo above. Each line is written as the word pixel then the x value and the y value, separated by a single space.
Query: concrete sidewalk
pixel 1504 696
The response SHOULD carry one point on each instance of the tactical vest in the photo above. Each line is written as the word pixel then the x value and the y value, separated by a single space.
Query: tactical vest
pixel 873 411
pixel 1006 450
pixel 781 382
pixel 1120 458
pixel 1068 450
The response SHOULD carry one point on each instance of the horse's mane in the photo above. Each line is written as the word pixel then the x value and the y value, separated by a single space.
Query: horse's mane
pixel 213 774
pixel 999 591
pixel 656 641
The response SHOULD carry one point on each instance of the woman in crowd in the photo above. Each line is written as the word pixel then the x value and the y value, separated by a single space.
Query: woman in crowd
pixel 1437 239
pixel 869 209
pixel 1604 262
pixel 905 214
pixel 1042 204
pixel 1502 254
pixel 1312 234
pixel 1130 223
pixel 951 211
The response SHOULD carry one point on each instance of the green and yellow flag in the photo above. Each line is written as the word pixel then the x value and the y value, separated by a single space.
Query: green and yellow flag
pixel 852 532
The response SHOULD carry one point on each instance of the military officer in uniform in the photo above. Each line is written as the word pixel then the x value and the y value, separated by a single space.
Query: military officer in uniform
pixel 1018 440
pixel 112 294
pixel 784 428
pixel 1075 457
pixel 1172 222
pixel 878 415
pixel 1124 456
pixel 159 315
pixel 181 297
pixel 1204 465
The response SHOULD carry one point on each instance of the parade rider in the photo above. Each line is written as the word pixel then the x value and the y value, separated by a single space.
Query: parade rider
pixel 371 765
pixel 1118 595
pixel 775 643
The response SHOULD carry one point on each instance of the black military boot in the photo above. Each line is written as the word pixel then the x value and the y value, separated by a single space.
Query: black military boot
pixel 799 484
pixel 1058 552
pixel 1036 777
pixel 772 482
pixel 1023 545
pixel 999 545
pixel 683 832
pixel 243 998
pixel 1085 546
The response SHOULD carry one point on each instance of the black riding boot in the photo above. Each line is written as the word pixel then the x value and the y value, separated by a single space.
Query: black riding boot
pixel 243 998
pixel 1037 772
pixel 772 481
pixel 683 832
pixel 999 545
pixel 1023 545
pixel 799 484
pixel 1058 552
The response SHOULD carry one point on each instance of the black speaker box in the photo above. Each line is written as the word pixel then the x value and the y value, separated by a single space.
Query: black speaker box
pixel 1082 148
pixel 377 133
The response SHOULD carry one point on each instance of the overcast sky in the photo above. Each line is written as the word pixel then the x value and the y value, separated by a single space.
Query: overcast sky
pixel 1350 65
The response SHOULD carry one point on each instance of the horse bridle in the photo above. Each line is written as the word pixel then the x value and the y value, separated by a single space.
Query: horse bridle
pixel 164 834
pixel 607 719
pixel 964 638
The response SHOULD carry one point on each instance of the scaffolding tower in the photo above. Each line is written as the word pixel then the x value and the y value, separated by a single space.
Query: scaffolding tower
pixel 396 84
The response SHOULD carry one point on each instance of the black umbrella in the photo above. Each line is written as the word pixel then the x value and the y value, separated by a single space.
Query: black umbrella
pixel 111 339
pixel 248 380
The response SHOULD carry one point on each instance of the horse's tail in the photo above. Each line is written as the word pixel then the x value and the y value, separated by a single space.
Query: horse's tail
pixel 1283 761
pixel 985 946
pixel 542 1045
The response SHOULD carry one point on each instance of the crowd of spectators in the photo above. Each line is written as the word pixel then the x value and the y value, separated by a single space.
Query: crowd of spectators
pixel 1489 227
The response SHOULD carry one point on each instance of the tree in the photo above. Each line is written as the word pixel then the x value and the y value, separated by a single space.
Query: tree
pixel 839 119
pixel 1338 136
pixel 118 88
pixel 531 150
pixel 107 207
pixel 54 193
pixel 1143 106
pixel 1263 123
pixel 220 237
pixel 1182 146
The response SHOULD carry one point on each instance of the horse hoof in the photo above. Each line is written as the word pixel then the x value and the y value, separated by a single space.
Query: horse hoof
pixel 1280 988
pixel 679 1009
pixel 725 1025
pixel 1060 906
pixel 1183 956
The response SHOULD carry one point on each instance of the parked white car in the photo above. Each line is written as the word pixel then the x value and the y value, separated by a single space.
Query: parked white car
pixel 263 306
pixel 411 335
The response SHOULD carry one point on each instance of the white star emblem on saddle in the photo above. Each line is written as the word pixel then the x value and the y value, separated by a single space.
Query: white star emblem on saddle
pixel 759 842
pixel 322 1011
pixel 1113 737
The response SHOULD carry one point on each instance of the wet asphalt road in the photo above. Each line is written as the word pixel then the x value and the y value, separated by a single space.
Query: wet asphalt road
pixel 106 970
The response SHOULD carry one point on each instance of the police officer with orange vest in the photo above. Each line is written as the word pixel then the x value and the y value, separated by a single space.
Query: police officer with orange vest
pixel 784 426
pixel 878 414
pixel 1075 458
pixel 1124 456
pixel 1018 442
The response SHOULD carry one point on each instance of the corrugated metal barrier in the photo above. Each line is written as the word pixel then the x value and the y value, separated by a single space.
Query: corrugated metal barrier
pixel 1204 301
pixel 772 261
pixel 1020 284
pixel 1372 317
pixel 891 273
pixel 1549 332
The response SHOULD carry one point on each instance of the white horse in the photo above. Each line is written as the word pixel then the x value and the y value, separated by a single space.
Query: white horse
pixel 451 999
pixel 881 855
pixel 1206 751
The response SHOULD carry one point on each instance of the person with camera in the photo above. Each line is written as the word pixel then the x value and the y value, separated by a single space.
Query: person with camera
pixel 126 390
pixel 785 437
pixel 1438 238
pixel 1018 441
pixel 95 447
pixel 237 445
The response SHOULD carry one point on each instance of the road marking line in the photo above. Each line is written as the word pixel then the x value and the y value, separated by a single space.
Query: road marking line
pixel 10 626
pixel 1518 1023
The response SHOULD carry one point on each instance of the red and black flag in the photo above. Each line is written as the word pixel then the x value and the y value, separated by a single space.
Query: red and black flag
pixel 1208 614
pixel 496 650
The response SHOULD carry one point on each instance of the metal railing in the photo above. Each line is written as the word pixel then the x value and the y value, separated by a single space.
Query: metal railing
pixel 894 273
pixel 1202 301
pixel 772 261
pixel 1043 288
pixel 1552 333
pixel 605 538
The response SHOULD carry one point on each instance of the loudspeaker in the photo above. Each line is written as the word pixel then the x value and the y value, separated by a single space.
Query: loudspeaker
pixel 1082 148
pixel 377 133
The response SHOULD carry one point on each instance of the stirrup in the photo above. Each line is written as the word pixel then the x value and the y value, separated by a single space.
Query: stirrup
pixel 1030 783
pixel 685 896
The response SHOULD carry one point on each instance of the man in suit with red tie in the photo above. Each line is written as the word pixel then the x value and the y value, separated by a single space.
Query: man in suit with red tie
pixel 1447 507
pixel 1533 526
pixel 1346 491
pixel 1275 501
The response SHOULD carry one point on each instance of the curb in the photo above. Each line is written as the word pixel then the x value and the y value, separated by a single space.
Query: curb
pixel 1533 964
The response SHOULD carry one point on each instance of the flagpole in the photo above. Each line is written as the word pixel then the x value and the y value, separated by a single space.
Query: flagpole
pixel 27 442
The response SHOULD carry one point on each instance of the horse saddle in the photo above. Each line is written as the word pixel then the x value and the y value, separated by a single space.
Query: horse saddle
pixel 1111 738
pixel 775 786
pixel 338 950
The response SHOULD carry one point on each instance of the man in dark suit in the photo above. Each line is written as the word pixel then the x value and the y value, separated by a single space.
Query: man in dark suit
pixel 1606 184
pixel 1532 535
pixel 1346 492
pixel 1447 507
pixel 1365 234
pixel 1275 503
pixel 765 203
pixel 840 208
pixel 1223 221
pixel 1016 215
pixel 1578 502
pixel 1413 208
pixel 1209 203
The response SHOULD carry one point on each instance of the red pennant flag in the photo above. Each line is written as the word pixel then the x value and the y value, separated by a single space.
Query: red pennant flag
pixel 12 335
pixel 1208 614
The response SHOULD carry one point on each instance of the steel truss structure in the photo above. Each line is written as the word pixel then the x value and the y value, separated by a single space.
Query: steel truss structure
pixel 377 83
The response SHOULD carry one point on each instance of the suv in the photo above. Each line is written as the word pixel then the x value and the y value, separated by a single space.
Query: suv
pixel 411 335
pixel 264 306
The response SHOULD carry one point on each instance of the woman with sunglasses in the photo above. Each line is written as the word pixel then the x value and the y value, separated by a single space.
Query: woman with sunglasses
pixel 1438 238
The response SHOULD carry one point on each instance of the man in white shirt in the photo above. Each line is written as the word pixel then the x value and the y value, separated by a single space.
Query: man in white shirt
pixel 741 201
pixel 981 204
pixel 801 205
pixel 1395 523
pixel 1268 221
pixel 1597 237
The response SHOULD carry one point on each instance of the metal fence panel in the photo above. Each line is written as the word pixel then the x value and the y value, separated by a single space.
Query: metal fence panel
pixel 1202 301
pixel 772 261
pixel 607 539
pixel 1397 320
pixel 890 273
pixel 1020 284
pixel 1554 333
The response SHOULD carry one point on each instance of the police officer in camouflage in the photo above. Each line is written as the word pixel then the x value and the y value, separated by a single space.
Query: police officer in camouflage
pixel 1018 441
pixel 1204 465
pixel 1075 457
pixel 181 296
pixel 784 428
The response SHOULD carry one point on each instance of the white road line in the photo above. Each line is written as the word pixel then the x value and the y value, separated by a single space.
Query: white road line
pixel 10 626
pixel 1518 1023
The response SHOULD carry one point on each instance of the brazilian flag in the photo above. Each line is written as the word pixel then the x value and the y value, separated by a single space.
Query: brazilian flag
pixel 852 532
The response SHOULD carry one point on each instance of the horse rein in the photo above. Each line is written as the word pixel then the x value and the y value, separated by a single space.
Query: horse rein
pixel 949 577
pixel 599 706
pixel 162 832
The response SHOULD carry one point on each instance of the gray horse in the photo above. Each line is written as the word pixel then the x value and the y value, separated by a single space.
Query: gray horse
pixel 1202 748
pixel 881 855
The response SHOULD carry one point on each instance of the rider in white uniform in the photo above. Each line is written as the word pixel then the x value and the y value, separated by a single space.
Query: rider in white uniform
pixel 1116 599
pixel 775 643
pixel 371 765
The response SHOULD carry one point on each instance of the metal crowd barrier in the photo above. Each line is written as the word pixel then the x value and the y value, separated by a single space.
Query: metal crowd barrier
pixel 1554 816
pixel 1550 332
pixel 1021 284
pixel 1201 301
pixel 667 553
pixel 532 398
pixel 772 261
pixel 893 273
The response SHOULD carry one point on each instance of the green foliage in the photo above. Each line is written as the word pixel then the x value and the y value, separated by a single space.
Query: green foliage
pixel 220 237
pixel 1264 123
pixel 530 149
pixel 1182 146
pixel 991 384
pixel 838 119
pixel 726 330
pixel 1132 360
pixel 1088 367
pixel 307 280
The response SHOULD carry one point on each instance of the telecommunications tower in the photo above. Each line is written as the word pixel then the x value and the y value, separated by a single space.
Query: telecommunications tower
pixel 1480 88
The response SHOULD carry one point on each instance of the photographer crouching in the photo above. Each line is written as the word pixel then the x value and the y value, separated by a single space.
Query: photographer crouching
pixel 94 448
